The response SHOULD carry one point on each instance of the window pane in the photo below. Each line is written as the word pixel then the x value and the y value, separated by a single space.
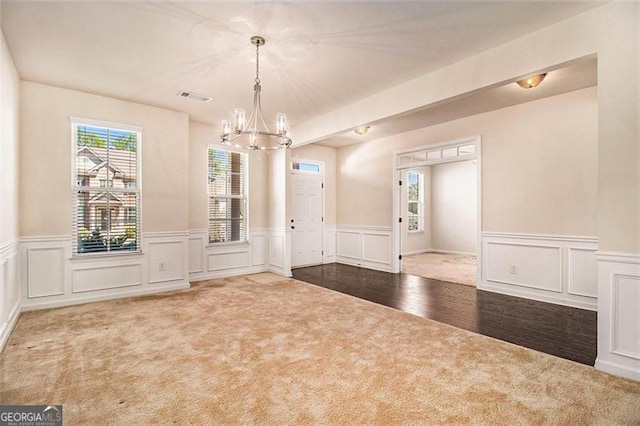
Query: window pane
pixel 106 221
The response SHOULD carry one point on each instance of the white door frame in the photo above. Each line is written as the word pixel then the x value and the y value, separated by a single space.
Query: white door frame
pixel 397 168
pixel 290 196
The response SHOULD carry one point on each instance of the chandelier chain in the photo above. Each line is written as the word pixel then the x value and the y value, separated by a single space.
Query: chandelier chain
pixel 257 63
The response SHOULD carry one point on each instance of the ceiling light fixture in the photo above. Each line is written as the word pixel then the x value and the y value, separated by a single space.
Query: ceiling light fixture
pixel 362 130
pixel 531 82
pixel 253 133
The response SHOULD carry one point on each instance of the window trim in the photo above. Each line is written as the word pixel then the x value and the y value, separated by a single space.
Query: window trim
pixel 247 173
pixel 74 122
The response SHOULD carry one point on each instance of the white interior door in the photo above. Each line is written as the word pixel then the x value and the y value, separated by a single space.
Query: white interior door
pixel 306 223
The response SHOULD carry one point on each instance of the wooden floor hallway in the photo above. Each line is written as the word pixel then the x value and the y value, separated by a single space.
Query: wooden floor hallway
pixel 562 331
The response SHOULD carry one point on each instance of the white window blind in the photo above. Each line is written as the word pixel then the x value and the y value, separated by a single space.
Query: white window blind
pixel 415 198
pixel 106 204
pixel 227 196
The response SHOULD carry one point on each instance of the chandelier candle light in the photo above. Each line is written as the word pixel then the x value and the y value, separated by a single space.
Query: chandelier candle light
pixel 253 133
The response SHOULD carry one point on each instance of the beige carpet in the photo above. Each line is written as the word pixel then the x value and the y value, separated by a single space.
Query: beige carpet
pixel 453 268
pixel 266 350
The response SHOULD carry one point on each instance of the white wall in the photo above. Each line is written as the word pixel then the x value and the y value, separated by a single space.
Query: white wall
pixel 454 207
pixel 9 212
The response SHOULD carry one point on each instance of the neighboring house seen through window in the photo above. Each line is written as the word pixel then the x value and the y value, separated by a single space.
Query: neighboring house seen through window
pixel 107 188
pixel 227 196
pixel 415 198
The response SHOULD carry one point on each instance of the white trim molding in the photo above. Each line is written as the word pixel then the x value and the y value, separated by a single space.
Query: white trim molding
pixel 551 268
pixel 52 277
pixel 366 246
pixel 10 297
pixel 619 313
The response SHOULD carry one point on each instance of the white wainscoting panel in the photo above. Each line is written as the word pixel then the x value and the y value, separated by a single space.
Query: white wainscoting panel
pixel 9 289
pixel 210 261
pixel 167 261
pixel 365 246
pixel 329 244
pixel 230 258
pixel 258 241
pixel 52 277
pixel 276 250
pixel 196 254
pixel 525 265
pixel 551 268
pixel 45 266
pixel 106 275
pixel 280 252
pixel 582 277
pixel 619 314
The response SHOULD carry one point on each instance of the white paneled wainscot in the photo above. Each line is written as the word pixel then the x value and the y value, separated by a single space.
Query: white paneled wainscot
pixel 369 247
pixel 265 251
pixel 619 314
pixel 52 277
pixel 556 269
pixel 9 289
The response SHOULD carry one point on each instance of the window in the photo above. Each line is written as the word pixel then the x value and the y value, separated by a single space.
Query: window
pixel 106 210
pixel 415 197
pixel 306 167
pixel 227 196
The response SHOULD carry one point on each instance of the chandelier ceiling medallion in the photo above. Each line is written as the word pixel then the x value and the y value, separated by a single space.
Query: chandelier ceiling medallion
pixel 253 133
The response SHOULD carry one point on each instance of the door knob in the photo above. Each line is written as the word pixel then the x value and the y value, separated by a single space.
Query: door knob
pixel 293 227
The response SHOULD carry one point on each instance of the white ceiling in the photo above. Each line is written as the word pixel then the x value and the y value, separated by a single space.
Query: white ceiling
pixel 319 55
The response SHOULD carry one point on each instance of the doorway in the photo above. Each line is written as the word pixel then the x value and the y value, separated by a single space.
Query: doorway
pixel 307 219
pixel 437 211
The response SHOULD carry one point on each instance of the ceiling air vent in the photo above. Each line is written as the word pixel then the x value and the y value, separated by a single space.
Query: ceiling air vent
pixel 196 96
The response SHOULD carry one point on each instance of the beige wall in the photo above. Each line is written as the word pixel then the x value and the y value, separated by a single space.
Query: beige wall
pixel 277 188
pixel 45 158
pixel 328 157
pixel 454 207
pixel 201 136
pixel 539 167
pixel 9 95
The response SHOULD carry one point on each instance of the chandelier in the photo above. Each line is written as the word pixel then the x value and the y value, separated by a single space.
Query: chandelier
pixel 253 133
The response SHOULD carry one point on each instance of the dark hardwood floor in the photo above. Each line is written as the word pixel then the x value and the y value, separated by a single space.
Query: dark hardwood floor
pixel 562 331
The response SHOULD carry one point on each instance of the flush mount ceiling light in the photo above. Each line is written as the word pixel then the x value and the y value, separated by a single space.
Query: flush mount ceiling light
pixel 362 130
pixel 253 133
pixel 531 82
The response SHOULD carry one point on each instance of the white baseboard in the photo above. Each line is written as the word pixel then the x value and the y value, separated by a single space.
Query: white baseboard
pixel 48 304
pixel 461 253
pixel 617 369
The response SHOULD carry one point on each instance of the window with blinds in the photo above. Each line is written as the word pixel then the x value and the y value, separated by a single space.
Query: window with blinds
pixel 106 205
pixel 227 196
